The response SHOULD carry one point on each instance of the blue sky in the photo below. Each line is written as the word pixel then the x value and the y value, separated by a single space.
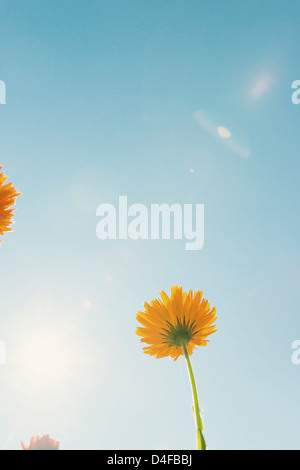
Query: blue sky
pixel 102 101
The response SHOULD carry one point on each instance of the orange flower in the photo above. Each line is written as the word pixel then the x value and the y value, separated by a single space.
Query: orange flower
pixel 181 320
pixel 41 443
pixel 8 196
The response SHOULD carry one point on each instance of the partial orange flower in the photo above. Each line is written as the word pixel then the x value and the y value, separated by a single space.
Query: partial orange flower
pixel 171 322
pixel 8 196
pixel 41 443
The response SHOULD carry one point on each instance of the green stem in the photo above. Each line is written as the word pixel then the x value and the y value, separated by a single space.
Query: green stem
pixel 201 445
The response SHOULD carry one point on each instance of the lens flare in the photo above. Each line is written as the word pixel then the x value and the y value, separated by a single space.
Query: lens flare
pixel 231 137
pixel 224 132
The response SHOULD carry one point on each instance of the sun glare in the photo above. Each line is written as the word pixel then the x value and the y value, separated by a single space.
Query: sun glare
pixel 44 359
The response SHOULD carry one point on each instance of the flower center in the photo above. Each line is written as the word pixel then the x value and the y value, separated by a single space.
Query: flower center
pixel 180 333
